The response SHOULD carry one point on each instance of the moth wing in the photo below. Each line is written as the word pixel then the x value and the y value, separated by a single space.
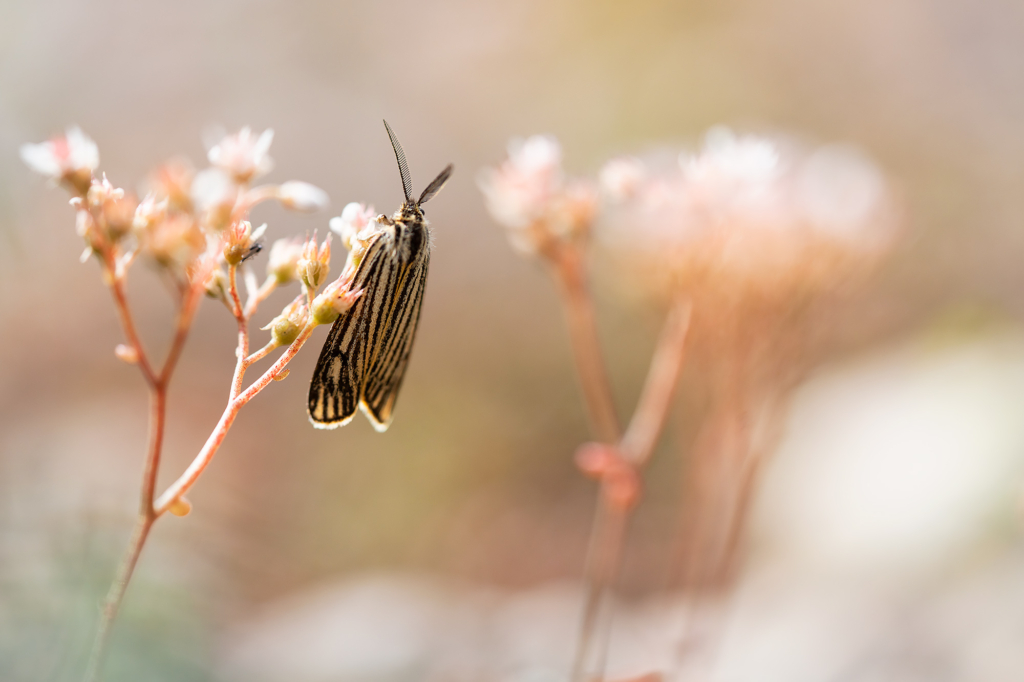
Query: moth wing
pixel 385 373
pixel 338 377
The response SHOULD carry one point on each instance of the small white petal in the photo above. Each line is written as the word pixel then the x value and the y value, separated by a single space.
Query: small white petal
pixel 82 151
pixel 41 158
pixel 303 196
pixel 213 187
pixel 258 232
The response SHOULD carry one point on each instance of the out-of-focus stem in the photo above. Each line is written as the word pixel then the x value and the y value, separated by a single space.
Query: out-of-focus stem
pixel 157 420
pixel 611 519
pixel 570 272
pixel 662 378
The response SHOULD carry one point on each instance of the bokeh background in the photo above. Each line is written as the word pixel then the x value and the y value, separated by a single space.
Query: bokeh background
pixel 886 538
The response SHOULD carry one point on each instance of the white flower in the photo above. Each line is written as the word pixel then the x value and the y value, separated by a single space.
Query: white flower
pixel 101 191
pixel 214 194
pixel 72 157
pixel 355 224
pixel 243 154
pixel 150 211
pixel 752 216
pixel 622 178
pixel 519 191
pixel 302 196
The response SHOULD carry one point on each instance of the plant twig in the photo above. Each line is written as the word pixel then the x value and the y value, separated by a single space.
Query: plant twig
pixel 633 450
pixel 202 460
pixel 570 271
pixel 157 419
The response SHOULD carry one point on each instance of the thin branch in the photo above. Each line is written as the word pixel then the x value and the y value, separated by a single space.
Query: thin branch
pixel 612 516
pixel 571 274
pixel 662 379
pixel 128 324
pixel 213 443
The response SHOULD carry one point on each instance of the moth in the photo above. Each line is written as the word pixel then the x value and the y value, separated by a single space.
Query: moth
pixel 367 351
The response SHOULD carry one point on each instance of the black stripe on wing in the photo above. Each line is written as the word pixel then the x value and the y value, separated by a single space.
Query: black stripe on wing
pixel 385 374
pixel 338 377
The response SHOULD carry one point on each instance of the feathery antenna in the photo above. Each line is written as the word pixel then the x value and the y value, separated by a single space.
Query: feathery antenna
pixel 403 167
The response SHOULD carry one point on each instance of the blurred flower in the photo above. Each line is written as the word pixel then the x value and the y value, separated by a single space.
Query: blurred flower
pixel 622 178
pixel 302 196
pixel 336 299
pixel 173 243
pixel 528 194
pixel 117 211
pixel 240 239
pixel 283 261
pixel 150 212
pixel 217 284
pixel 172 180
pixel 214 194
pixel 749 215
pixel 243 155
pixel 70 159
pixel 314 264
pixel 355 224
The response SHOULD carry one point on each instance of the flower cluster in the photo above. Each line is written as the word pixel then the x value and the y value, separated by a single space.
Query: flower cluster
pixel 530 196
pixel 748 215
pixel 193 225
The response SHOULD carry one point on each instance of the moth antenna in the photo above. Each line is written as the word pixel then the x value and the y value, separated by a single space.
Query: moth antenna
pixel 403 167
pixel 436 184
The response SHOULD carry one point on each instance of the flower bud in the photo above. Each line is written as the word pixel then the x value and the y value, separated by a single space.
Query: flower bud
pixel 315 263
pixel 335 300
pixel 240 238
pixel 180 507
pixel 126 354
pixel 217 285
pixel 285 327
pixel 283 261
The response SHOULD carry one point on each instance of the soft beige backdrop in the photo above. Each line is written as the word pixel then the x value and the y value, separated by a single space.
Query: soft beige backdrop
pixel 474 481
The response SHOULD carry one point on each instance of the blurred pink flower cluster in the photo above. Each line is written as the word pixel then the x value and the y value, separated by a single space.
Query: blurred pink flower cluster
pixel 530 195
pixel 749 215
pixel 745 212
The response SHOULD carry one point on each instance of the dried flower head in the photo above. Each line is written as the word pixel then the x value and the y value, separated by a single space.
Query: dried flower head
pixel 283 262
pixel 243 155
pixel 529 195
pixel 314 264
pixel 69 159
